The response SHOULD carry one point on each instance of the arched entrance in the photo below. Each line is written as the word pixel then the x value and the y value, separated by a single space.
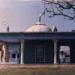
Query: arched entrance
pixel 64 54
pixel 14 53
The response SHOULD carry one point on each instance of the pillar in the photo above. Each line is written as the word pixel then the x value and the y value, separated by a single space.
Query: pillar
pixel 5 57
pixel 55 51
pixel 22 51
pixel 3 54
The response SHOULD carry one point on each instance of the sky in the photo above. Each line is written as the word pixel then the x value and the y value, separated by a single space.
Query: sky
pixel 21 14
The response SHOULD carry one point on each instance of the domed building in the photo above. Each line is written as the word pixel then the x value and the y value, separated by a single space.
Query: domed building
pixel 39 27
pixel 38 44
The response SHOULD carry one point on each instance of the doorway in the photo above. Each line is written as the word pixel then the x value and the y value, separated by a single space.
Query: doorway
pixel 40 54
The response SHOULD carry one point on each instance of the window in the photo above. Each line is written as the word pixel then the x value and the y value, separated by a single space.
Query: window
pixel 18 55
pixel 14 55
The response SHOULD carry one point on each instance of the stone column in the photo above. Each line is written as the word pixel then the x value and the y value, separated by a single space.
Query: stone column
pixel 3 54
pixel 22 51
pixel 55 51
pixel 5 57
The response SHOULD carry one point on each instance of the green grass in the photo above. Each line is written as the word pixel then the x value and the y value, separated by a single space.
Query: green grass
pixel 38 71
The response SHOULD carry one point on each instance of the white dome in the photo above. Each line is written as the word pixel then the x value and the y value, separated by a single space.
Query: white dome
pixel 38 27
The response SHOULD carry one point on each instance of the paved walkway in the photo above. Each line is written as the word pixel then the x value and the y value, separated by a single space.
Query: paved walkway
pixel 5 66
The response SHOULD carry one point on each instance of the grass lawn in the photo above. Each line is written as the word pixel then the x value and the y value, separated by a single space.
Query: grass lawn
pixel 38 71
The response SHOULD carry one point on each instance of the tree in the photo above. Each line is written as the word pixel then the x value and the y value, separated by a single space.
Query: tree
pixel 60 8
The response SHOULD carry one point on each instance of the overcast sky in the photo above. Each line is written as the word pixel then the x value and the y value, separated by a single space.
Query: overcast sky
pixel 21 14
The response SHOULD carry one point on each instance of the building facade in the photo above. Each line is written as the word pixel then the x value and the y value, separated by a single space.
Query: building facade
pixel 37 45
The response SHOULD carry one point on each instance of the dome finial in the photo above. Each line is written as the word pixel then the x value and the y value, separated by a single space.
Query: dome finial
pixel 40 16
pixel 55 29
pixel 8 28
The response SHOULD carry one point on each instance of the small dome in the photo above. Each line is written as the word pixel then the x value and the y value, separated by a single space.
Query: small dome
pixel 39 27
